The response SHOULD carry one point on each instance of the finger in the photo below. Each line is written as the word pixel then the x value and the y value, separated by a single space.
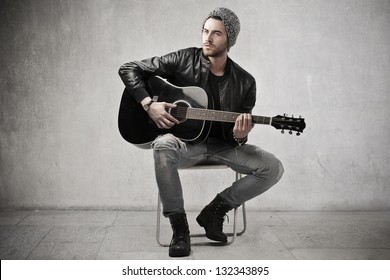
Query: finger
pixel 249 120
pixel 172 119
pixel 239 122
pixel 163 125
pixel 170 105
pixel 245 121
pixel 168 123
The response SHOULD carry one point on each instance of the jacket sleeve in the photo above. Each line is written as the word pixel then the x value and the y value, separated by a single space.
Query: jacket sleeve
pixel 250 99
pixel 133 74
pixel 246 107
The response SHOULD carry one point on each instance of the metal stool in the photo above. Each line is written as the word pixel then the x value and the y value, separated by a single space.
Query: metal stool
pixel 232 234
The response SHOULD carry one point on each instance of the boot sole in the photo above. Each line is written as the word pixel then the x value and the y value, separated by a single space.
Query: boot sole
pixel 181 253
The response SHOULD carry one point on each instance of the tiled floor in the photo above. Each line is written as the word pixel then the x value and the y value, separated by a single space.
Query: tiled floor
pixel 131 235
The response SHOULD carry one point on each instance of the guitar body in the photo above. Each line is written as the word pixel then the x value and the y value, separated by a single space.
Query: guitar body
pixel 137 128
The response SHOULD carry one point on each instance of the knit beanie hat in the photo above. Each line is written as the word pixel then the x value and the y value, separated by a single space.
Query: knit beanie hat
pixel 231 22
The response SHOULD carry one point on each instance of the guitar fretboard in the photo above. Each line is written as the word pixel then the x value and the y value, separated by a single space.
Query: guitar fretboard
pixel 221 116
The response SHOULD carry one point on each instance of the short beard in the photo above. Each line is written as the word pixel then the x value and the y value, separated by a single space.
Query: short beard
pixel 215 52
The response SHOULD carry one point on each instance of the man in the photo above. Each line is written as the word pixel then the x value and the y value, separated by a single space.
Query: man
pixel 232 89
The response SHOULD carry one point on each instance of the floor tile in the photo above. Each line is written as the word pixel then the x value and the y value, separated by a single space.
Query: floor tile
pixel 381 231
pixel 263 218
pixel 325 236
pixel 151 256
pixel 130 239
pixel 136 218
pixel 256 243
pixel 334 218
pixel 57 217
pixel 145 255
pixel 342 254
pixel 65 251
pixel 13 217
pixel 17 242
pixel 75 233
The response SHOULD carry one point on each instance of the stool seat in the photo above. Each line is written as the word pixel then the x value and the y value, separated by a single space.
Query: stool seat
pixel 205 166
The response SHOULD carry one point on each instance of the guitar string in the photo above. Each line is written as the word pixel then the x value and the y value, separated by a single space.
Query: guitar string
pixel 183 110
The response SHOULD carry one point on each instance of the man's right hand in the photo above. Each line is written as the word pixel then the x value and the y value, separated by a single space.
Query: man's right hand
pixel 158 113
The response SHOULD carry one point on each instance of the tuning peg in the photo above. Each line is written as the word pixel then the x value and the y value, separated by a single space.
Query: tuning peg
pixel 285 115
pixel 290 132
pixel 282 131
pixel 298 134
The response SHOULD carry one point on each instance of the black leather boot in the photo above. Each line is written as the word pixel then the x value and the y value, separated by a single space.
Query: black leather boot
pixel 211 218
pixel 180 244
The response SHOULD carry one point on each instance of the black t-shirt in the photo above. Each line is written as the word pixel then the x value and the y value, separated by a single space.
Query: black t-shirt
pixel 212 90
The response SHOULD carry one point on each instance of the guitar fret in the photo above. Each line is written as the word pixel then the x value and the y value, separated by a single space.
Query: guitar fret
pixel 262 120
pixel 211 115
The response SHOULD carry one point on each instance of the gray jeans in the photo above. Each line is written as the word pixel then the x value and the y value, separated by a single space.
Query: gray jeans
pixel 262 168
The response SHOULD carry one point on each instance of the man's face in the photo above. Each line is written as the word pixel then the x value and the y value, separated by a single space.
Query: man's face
pixel 214 38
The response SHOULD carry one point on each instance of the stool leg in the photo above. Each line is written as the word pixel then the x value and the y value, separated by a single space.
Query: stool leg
pixel 238 177
pixel 234 233
pixel 243 220
pixel 243 209
pixel 158 226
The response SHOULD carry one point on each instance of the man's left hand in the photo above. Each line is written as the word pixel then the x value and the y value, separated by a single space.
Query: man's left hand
pixel 243 126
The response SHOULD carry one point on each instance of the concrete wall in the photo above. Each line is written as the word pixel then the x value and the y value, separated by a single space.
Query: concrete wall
pixel 325 60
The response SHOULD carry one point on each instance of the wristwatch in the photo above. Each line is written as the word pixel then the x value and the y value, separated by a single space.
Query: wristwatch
pixel 239 141
pixel 147 105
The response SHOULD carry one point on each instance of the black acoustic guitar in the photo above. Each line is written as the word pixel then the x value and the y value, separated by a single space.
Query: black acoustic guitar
pixel 193 110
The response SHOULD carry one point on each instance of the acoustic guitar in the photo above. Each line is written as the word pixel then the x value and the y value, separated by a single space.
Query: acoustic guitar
pixel 194 110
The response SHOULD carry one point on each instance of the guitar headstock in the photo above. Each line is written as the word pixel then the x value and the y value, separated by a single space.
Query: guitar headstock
pixel 289 123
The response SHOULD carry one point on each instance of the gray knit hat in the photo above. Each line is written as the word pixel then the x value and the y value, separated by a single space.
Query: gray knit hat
pixel 231 22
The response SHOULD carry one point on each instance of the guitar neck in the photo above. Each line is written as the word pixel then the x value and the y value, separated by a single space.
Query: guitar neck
pixel 221 116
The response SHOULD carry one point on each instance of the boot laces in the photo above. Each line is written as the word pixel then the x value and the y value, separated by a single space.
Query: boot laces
pixel 221 213
pixel 180 226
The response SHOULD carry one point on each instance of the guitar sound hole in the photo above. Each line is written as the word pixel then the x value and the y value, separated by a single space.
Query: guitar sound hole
pixel 180 111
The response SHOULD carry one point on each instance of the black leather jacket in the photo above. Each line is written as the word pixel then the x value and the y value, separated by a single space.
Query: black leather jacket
pixel 188 67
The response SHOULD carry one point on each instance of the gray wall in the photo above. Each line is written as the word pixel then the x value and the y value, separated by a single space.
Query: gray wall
pixel 325 60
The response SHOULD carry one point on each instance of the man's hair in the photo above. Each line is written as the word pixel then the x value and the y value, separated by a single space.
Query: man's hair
pixel 216 17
